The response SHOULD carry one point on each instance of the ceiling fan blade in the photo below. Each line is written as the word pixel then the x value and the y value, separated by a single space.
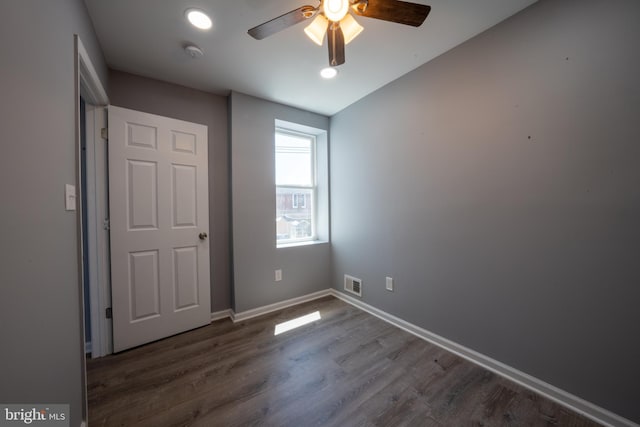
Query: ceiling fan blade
pixel 283 21
pixel 401 12
pixel 336 45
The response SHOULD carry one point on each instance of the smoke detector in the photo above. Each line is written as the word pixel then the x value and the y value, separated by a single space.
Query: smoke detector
pixel 194 51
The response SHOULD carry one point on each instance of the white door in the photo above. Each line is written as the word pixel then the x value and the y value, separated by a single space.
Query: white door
pixel 158 197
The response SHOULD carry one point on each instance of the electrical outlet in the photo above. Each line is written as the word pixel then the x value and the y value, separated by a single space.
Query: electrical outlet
pixel 390 284
pixel 278 275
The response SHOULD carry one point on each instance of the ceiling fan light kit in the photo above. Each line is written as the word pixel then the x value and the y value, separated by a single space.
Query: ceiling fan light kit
pixel 317 29
pixel 350 28
pixel 335 10
pixel 332 17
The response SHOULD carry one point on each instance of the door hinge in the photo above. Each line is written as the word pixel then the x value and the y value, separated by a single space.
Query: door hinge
pixel 108 313
pixel 106 224
pixel 104 133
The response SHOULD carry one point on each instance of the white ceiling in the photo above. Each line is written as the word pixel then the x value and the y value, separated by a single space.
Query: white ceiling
pixel 146 37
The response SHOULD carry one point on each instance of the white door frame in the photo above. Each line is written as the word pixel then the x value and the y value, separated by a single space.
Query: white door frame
pixel 98 230
pixel 91 89
pixel 88 85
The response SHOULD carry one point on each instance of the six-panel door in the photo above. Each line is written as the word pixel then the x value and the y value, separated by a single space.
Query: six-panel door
pixel 158 195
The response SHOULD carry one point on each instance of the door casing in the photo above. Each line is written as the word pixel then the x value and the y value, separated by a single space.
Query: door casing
pixel 88 85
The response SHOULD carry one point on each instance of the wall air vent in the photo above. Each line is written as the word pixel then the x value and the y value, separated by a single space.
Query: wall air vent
pixel 353 285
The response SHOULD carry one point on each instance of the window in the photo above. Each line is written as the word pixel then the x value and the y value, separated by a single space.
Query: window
pixel 296 187
pixel 299 200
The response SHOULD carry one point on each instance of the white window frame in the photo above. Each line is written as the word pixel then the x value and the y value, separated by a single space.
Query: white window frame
pixel 313 187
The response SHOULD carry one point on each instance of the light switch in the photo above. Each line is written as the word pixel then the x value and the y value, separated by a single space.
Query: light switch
pixel 389 284
pixel 70 197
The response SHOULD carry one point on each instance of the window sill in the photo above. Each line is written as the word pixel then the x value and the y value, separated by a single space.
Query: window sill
pixel 305 243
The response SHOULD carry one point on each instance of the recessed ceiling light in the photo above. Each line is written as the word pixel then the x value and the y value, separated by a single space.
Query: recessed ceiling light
pixel 198 19
pixel 329 72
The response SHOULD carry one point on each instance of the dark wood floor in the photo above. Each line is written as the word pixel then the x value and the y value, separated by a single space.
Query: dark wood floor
pixel 347 369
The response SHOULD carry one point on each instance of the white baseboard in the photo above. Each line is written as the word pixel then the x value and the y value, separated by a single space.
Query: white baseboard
pixel 549 391
pixel 575 403
pixel 222 314
pixel 244 315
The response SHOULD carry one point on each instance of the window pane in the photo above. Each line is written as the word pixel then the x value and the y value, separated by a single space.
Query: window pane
pixel 293 160
pixel 293 213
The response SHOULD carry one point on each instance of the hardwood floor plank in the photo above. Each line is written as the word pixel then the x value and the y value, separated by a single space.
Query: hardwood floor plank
pixel 347 369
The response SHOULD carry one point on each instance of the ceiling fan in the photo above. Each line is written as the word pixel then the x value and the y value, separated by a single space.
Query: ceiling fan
pixel 333 18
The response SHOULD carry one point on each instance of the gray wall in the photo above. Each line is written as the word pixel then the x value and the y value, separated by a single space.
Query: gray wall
pixel 499 186
pixel 170 100
pixel 41 358
pixel 305 269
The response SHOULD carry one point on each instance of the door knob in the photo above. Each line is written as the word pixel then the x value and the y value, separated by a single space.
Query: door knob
pixel 202 236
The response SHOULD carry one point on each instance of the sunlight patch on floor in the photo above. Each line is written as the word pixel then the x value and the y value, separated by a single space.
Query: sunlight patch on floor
pixel 296 323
